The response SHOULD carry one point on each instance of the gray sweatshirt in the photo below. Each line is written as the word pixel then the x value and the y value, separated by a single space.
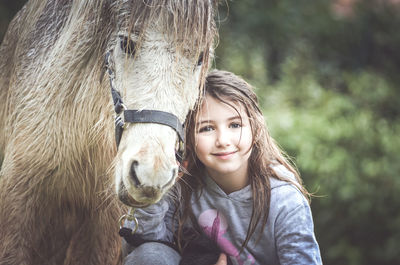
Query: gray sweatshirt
pixel 288 237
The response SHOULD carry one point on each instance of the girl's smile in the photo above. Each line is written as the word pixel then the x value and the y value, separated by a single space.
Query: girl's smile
pixel 225 155
pixel 223 142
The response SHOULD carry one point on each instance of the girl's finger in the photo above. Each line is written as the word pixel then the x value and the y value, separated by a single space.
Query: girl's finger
pixel 221 260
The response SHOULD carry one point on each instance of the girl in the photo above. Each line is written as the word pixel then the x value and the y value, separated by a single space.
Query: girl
pixel 239 189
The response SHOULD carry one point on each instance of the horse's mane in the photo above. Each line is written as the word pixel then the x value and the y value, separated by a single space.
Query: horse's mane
pixel 60 50
pixel 76 30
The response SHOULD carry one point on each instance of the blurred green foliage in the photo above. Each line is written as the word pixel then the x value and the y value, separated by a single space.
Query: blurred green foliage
pixel 328 85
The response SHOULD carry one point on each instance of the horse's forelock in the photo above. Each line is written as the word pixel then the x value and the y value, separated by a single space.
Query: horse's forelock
pixel 190 24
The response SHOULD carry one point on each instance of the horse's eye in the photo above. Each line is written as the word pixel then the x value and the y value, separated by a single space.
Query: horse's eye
pixel 127 45
pixel 200 60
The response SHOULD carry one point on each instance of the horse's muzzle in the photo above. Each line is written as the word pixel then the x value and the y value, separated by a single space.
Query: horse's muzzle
pixel 147 195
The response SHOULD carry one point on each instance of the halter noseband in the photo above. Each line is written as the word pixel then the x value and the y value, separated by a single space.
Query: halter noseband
pixel 141 116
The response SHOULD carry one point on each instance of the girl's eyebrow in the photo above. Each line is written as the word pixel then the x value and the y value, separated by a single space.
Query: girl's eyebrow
pixel 235 117
pixel 203 121
pixel 211 121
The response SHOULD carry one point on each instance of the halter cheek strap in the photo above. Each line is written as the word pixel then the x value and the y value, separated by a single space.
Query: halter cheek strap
pixel 155 116
pixel 151 116
pixel 141 116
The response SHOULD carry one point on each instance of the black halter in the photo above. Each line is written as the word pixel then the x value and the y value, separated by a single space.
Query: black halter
pixel 142 116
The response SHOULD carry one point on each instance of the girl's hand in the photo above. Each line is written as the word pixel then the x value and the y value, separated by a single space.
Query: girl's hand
pixel 222 260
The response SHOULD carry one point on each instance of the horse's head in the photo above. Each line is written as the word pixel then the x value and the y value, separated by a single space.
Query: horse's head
pixel 157 62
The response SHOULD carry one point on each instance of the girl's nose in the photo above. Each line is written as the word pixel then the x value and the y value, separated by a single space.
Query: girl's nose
pixel 222 139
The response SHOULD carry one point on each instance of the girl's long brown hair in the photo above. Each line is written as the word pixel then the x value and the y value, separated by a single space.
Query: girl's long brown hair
pixel 233 90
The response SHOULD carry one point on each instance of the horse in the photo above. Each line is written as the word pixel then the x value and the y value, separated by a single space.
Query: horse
pixel 69 71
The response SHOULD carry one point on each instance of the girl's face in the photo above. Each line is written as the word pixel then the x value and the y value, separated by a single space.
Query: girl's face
pixel 223 140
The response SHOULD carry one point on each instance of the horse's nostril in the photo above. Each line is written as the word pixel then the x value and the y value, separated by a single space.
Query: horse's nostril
pixel 132 173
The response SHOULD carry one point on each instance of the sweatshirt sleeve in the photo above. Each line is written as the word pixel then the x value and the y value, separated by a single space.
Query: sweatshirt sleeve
pixel 294 229
pixel 155 221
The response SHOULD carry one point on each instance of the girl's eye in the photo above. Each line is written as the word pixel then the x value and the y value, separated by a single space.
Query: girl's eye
pixel 127 45
pixel 235 125
pixel 205 129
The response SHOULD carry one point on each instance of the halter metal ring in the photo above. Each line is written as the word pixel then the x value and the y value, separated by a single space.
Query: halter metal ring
pixel 129 217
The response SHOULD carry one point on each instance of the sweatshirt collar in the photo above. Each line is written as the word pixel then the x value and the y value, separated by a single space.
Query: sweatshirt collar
pixel 241 195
